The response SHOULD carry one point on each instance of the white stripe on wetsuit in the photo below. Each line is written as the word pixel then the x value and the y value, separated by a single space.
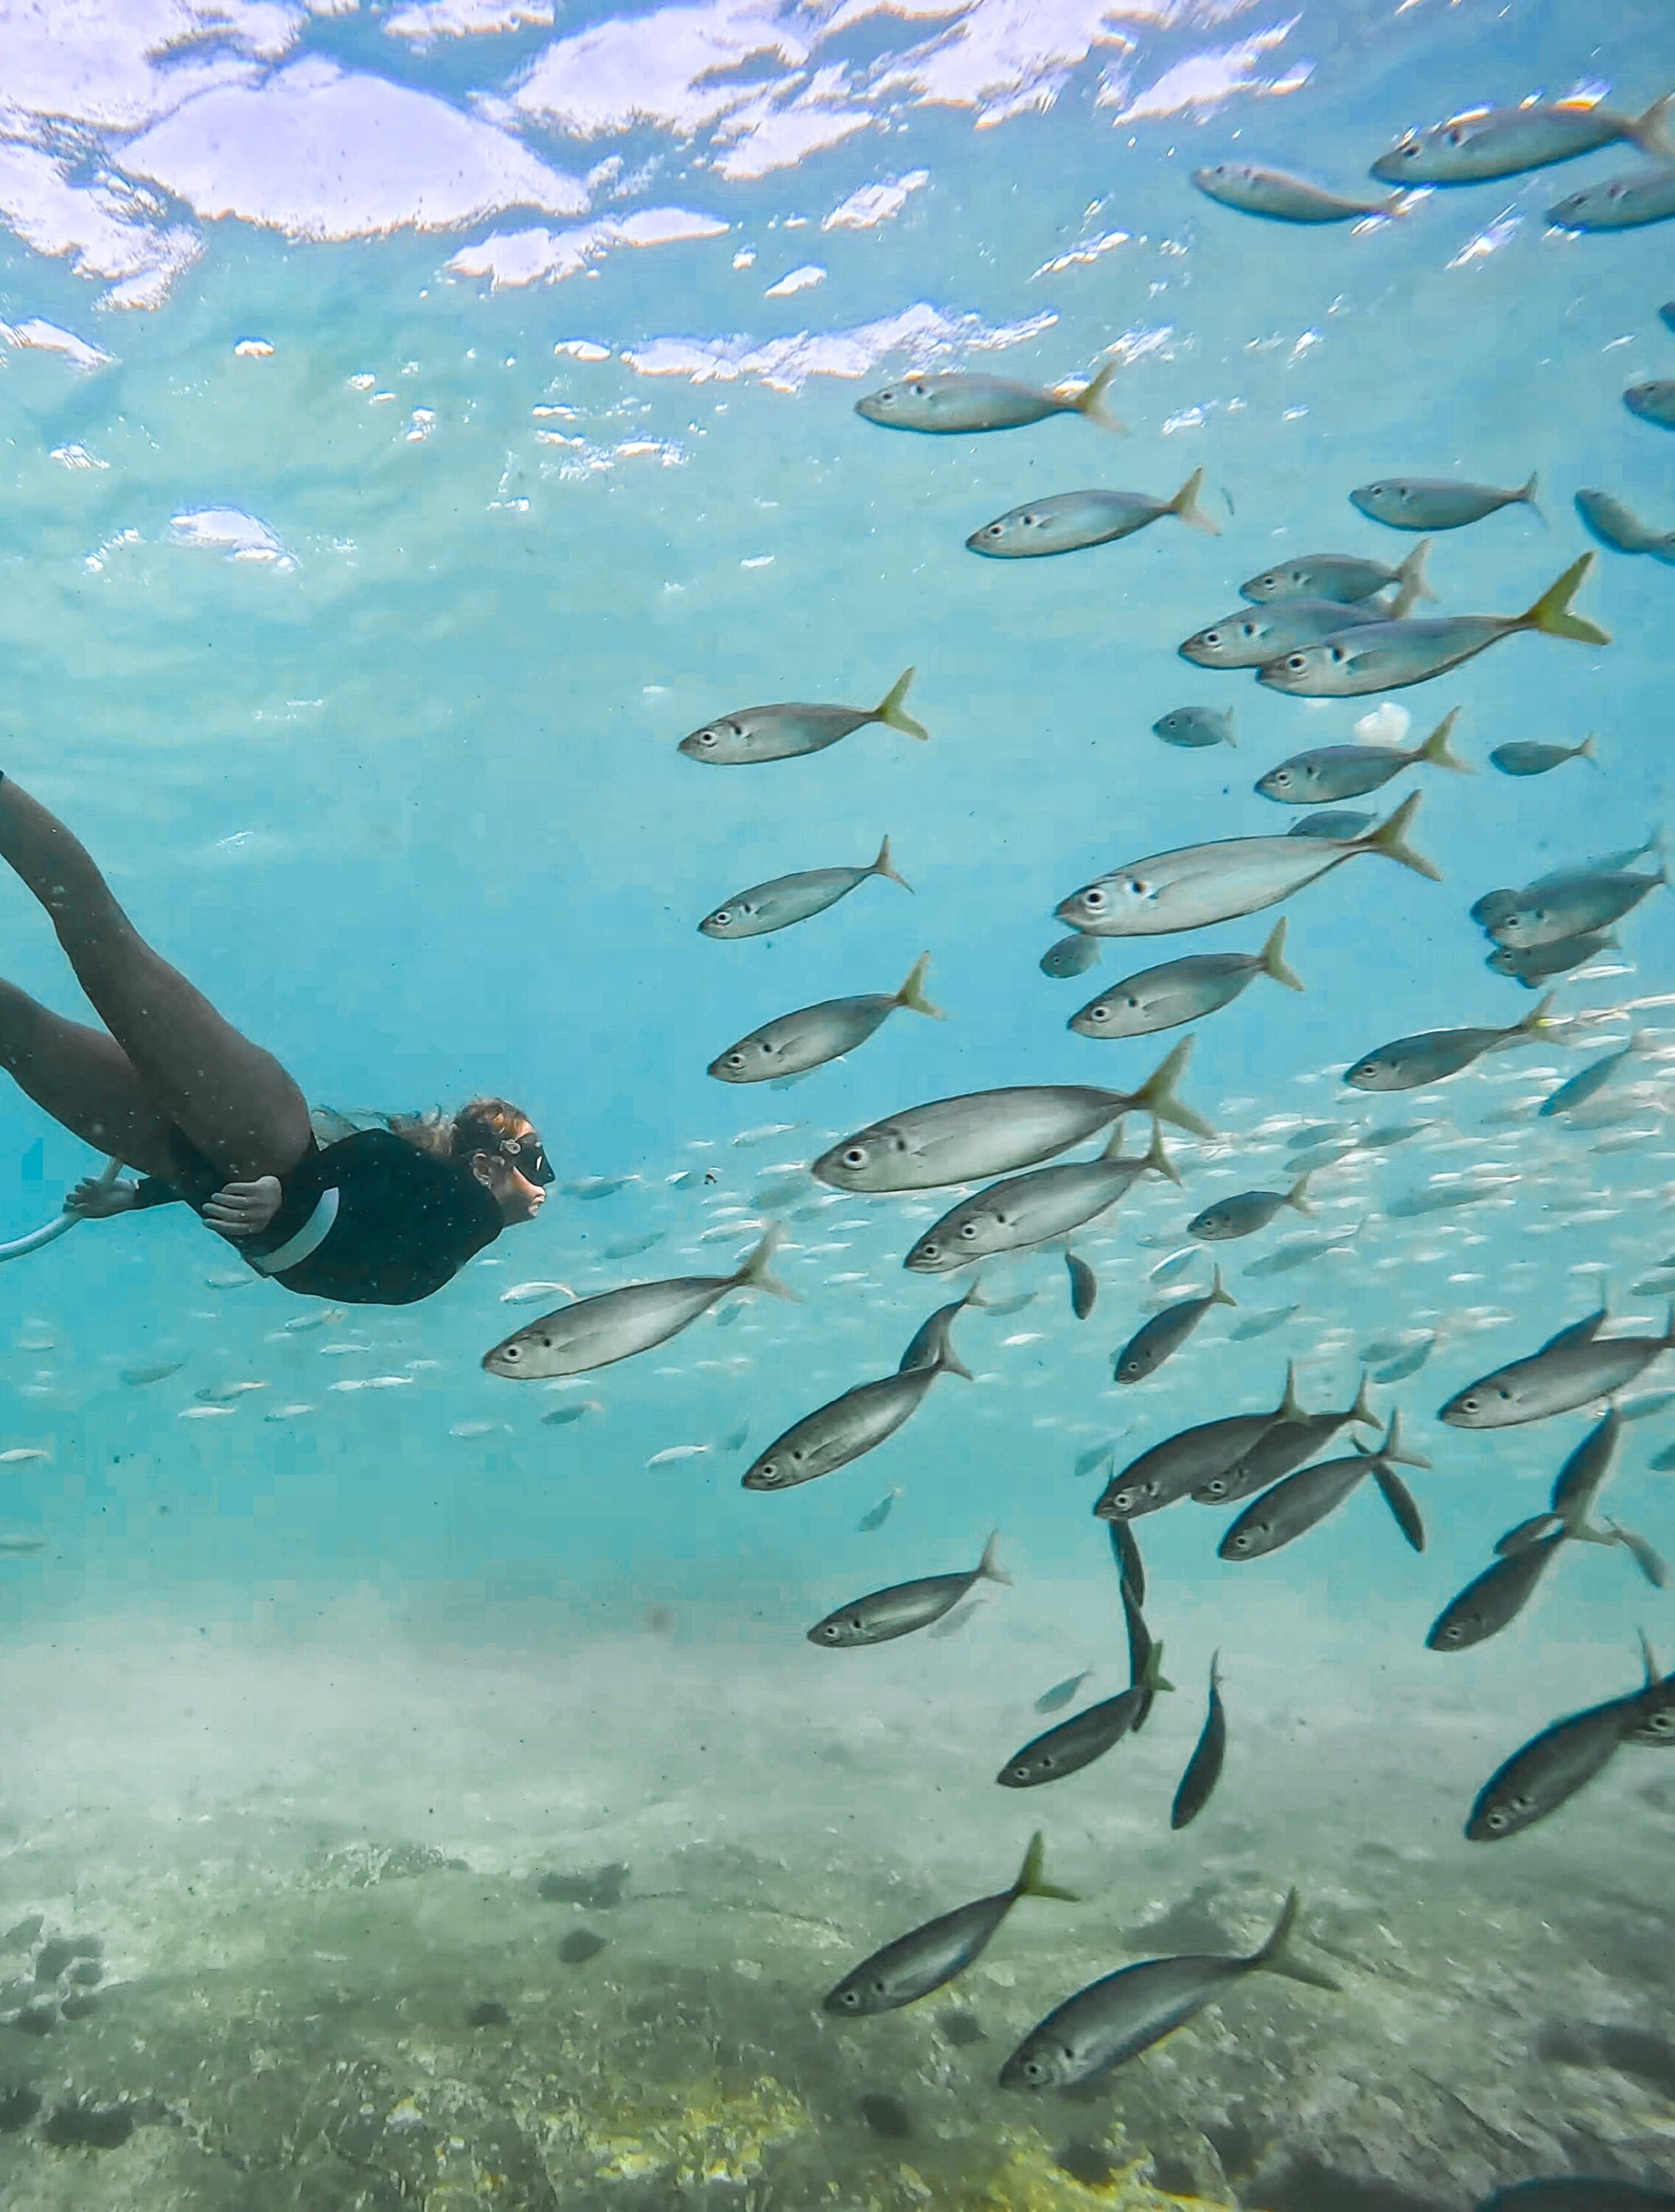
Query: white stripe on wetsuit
pixel 308 1239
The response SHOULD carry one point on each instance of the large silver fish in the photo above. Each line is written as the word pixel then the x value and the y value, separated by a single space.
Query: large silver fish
pixel 1332 772
pixel 963 401
pixel 1574 1368
pixel 1199 884
pixel 1389 656
pixel 1487 143
pixel 1125 2013
pixel 1064 1750
pixel 1282 198
pixel 786 733
pixel 1252 637
pixel 1180 1463
pixel 1178 991
pixel 882 1615
pixel 1570 903
pixel 1300 1500
pixel 1548 1771
pixel 1435 502
pixel 856 1422
pixel 1037 1207
pixel 1621 529
pixel 1247 1212
pixel 1410 1063
pixel 792 1043
pixel 922 1961
pixel 1348 577
pixel 989 1132
pixel 788 899
pixel 1068 522
pixel 598 1331
pixel 1280 1448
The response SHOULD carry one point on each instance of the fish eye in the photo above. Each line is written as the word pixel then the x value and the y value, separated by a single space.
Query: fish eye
pixel 996 529
pixel 929 1251
pixel 511 1351
pixel 1495 1820
pixel 1098 1014
pixel 831 1631
pixel 735 1059
pixel 1093 899
pixel 967 1230
pixel 1211 638
pixel 1035 2070
pixel 854 1156
pixel 767 1470
pixel 721 917
pixel 849 1997
pixel 1296 662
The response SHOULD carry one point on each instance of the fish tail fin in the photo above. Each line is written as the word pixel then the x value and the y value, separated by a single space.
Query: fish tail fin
pixel 890 709
pixel 1650 131
pixel 1550 614
pixel 974 1297
pixel 1399 1498
pixel 1273 959
pixel 1526 494
pixel 1157 1160
pixel 1585 750
pixel 1029 1882
pixel 1157 1095
pixel 949 1362
pixel 911 994
pixel 1274 1957
pixel 1527 1532
pixel 1391 1448
pixel 1434 750
pixel 1090 400
pixel 1297 1197
pixel 987 1570
pixel 1228 738
pixel 884 866
pixel 1219 1293
pixel 1362 1411
pixel 755 1275
pixel 1186 505
pixel 1389 837
pixel 1535 1024
pixel 1650 1561
pixel 1151 1674
pixel 1411 583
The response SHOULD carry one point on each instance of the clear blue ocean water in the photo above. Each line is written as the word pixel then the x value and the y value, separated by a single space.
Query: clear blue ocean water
pixel 415 420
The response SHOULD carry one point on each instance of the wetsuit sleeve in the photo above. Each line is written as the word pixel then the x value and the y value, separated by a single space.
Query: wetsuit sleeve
pixel 152 1190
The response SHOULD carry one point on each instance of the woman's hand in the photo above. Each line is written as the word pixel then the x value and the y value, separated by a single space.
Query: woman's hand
pixel 239 1210
pixel 94 1200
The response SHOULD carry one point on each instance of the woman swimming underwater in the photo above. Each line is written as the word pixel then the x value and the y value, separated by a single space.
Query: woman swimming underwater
pixel 383 1217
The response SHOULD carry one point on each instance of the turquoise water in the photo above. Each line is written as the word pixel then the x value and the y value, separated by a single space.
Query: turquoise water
pixel 408 439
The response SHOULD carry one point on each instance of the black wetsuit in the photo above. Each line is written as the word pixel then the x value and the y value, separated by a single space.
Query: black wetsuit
pixel 404 1224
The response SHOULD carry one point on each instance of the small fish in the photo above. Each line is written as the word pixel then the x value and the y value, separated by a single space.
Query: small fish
pixel 1435 502
pixel 1345 577
pixel 1406 1363
pixel 876 1515
pixel 20 1455
pixel 578 1409
pixel 1243 1215
pixel 1332 825
pixel 1072 956
pixel 1410 1063
pixel 1570 902
pixel 156 1370
pixel 588 1188
pixel 1529 757
pixel 786 733
pixel 1532 965
pixel 928 1957
pixel 1087 1735
pixel 1204 1768
pixel 960 401
pixel 1198 885
pixel 1282 198
pixel 986 1132
pixel 615 1325
pixel 1000 1308
pixel 468 1428
pixel 1548 1771
pixel 1037 1207
pixel 1055 1700
pixel 1157 1339
pixel 1351 771
pixel 1115 2018
pixel 813 1034
pixel 848 1426
pixel 1300 1252
pixel 736 1438
pixel 673 1453
pixel 225 1413
pixel 1071 520
pixel 1083 1285
pixel 1486 143
pixel 1389 656
pixel 1252 636
pixel 1299 1501
pixel 1180 1263
pixel 294 1413
pixel 1176 1467
pixel 1582 1086
pixel 625 1248
pixel 882 1615
pixel 1095 1457
pixel 789 899
pixel 1178 991
pixel 1574 1368
pixel 1620 529
pixel 15 1544
pixel 223 1393
pixel 1620 204
pixel 1195 728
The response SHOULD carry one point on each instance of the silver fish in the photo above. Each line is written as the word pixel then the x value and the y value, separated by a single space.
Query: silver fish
pixel 1525 756
pixel 1488 142
pixel 616 1324
pixel 1055 1700
pixel 924 1959
pixel 1547 1772
pixel 1242 1215
pixel 1532 965
pixel 1350 771
pixel 882 1615
pixel 1330 824
pixel 1621 204
pixel 1194 728
pixel 1300 1500
pixel 931 1346
pixel 1587 1080
pixel 1163 1335
pixel 786 733
pixel 1177 1466
pixel 876 1515
pixel 1204 1768
pixel 792 1043
pixel 1178 991
pixel 1619 527
pixel 1570 902
pixel 1435 502
pixel 1087 1735
pixel 1280 1448
pixel 1198 885
pixel 1389 656
pixel 1069 521
pixel 1574 1368
pixel 1433 1056
pixel 789 899
pixel 963 401
pixel 1652 401
pixel 1261 1324
pixel 1346 577
pixel 856 1422
pixel 1037 1207
pixel 989 1132
pixel 1252 636
pixel 1283 198
pixel 1302 1251
pixel 1117 2018
pixel 1072 956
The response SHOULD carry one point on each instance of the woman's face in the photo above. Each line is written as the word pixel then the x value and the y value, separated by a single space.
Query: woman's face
pixel 518 1199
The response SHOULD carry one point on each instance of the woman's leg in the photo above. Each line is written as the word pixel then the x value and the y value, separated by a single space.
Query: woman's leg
pixel 232 1100
pixel 84 1080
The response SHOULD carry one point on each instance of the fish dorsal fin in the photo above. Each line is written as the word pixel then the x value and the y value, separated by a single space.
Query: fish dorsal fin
pixel 1578 1332
pixel 1291 1407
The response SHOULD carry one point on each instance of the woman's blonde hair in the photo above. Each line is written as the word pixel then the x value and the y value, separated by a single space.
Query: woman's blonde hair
pixel 482 1125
